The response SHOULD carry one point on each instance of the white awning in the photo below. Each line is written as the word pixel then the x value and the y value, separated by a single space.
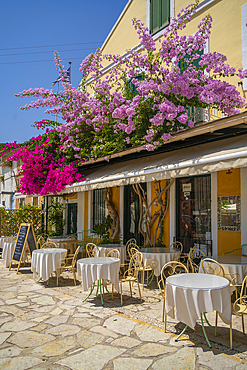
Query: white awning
pixel 192 161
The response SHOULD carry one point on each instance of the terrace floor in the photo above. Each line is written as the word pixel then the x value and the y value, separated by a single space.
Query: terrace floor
pixel 47 327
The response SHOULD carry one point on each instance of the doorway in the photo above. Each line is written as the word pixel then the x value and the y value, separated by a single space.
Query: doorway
pixel 132 215
pixel 193 210
pixel 72 218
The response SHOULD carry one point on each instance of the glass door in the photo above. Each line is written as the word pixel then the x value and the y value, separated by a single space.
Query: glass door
pixel 72 218
pixel 132 215
pixel 193 198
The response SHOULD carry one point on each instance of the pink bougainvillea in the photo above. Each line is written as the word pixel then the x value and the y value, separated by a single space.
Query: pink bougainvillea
pixel 143 99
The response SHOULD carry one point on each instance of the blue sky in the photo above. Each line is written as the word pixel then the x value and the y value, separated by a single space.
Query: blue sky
pixel 31 31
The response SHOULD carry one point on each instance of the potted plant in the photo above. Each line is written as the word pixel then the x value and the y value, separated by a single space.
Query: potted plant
pixel 103 230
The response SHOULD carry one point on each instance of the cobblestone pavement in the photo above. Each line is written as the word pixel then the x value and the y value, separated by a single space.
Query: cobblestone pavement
pixel 47 327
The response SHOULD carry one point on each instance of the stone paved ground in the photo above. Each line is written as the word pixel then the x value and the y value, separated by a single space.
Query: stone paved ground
pixel 48 327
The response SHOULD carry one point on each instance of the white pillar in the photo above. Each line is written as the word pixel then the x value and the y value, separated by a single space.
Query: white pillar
pixel 214 212
pixel 121 211
pixel 80 213
pixel 243 198
pixel 172 211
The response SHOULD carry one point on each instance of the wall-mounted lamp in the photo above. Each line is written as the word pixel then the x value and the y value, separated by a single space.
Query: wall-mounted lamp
pixel 228 172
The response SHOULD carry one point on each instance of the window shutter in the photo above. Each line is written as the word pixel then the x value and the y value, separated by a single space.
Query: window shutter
pixel 154 15
pixel 165 13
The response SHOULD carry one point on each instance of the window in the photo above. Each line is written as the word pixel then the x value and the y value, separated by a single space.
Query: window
pixel 130 90
pixel 98 206
pixel 194 113
pixel 159 15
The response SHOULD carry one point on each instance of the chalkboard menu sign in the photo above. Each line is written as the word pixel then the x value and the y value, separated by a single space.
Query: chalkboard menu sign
pixel 25 234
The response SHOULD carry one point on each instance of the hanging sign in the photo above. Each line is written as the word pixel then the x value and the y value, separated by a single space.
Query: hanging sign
pixel 25 235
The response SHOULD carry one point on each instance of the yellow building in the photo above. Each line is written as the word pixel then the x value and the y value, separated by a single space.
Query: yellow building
pixel 206 203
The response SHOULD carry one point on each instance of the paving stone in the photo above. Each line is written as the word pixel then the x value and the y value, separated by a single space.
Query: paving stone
pixel 44 309
pixel 57 311
pixel 150 333
pixel 92 358
pixel 84 322
pixel 127 342
pixel 63 330
pixel 241 367
pixel 88 339
pixel 214 360
pixel 11 310
pixel 17 325
pixel 152 349
pixel 104 331
pixel 23 304
pixel 5 319
pixel 43 300
pixel 30 338
pixel 131 363
pixel 40 318
pixel 57 320
pixel 4 336
pixel 10 352
pixel 120 325
pixel 55 348
pixel 102 313
pixel 183 359
pixel 13 301
pixel 19 363
pixel 7 295
pixel 40 327
pixel 66 307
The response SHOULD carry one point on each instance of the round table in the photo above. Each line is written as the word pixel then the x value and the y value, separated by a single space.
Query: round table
pixel 45 262
pixel 96 268
pixel 235 266
pixel 190 295
pixel 105 248
pixel 162 255
pixel 7 253
pixel 4 239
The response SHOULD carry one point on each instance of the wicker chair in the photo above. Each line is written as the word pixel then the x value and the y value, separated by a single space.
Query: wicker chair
pixel 194 259
pixel 170 268
pixel 92 250
pixel 130 276
pixel 68 263
pixel 49 244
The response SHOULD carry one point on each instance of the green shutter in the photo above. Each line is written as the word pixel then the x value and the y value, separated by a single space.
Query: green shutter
pixel 159 14
pixel 165 13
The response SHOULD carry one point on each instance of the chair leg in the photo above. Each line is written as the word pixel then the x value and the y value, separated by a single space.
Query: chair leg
pixel 163 311
pixel 231 333
pixel 216 322
pixel 139 290
pixel 165 319
pixel 243 324
pixel 143 280
pixel 130 288
pixel 121 293
pixel 112 288
pixel 74 276
pixel 147 277
pixel 157 280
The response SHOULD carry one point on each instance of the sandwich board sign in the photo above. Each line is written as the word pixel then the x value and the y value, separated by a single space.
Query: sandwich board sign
pixel 25 235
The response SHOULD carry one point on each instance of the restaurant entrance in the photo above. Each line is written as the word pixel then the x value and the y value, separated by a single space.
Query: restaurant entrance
pixel 193 210
pixel 132 215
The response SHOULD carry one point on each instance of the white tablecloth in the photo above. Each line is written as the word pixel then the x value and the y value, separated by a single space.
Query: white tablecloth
pixel 96 268
pixel 45 261
pixel 162 255
pixel 4 239
pixel 232 265
pixel 105 248
pixel 189 295
pixel 7 253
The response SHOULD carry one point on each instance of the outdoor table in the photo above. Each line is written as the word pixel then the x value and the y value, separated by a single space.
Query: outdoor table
pixel 94 269
pixel 4 239
pixel 7 253
pixel 191 295
pixel 45 262
pixel 162 255
pixel 105 248
pixel 232 265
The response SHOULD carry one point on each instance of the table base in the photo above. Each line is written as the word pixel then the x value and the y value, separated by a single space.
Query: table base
pixel 99 288
pixel 203 329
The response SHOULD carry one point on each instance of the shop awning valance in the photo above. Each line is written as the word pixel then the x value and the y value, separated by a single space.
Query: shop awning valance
pixel 192 161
